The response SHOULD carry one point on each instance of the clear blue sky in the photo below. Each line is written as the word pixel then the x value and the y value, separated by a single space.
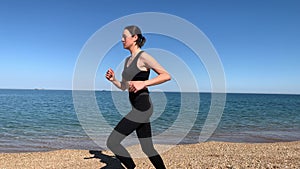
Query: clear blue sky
pixel 257 41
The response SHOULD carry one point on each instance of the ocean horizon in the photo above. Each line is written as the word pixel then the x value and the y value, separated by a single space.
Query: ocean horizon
pixel 43 119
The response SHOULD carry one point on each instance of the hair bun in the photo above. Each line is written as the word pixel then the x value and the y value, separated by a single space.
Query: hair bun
pixel 142 41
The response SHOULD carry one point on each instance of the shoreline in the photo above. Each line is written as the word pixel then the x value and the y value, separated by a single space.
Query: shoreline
pixel 211 154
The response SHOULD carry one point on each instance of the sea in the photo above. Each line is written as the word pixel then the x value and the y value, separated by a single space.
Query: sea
pixel 44 120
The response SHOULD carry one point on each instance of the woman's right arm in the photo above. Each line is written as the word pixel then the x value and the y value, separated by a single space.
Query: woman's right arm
pixel 110 75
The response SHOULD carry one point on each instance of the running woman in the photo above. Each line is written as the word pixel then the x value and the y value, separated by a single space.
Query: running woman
pixel 135 79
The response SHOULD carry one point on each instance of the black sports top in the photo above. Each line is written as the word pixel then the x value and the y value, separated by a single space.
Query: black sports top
pixel 133 73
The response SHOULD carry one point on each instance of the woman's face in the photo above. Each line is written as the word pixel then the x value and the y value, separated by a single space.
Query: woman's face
pixel 127 39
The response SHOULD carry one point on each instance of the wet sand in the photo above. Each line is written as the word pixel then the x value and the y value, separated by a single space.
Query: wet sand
pixel 201 155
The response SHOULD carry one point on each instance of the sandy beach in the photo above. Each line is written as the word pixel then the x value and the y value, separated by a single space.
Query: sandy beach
pixel 201 155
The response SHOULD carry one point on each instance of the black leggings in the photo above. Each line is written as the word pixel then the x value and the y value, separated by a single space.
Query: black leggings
pixel 138 121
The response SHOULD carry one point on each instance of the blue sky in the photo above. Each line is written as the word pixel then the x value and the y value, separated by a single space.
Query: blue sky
pixel 257 41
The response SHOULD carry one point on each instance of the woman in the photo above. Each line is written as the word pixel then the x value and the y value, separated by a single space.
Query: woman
pixel 135 78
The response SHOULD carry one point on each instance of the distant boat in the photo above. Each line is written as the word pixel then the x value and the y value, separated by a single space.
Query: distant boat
pixel 39 89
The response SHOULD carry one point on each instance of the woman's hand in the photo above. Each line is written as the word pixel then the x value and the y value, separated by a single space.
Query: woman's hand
pixel 110 75
pixel 135 86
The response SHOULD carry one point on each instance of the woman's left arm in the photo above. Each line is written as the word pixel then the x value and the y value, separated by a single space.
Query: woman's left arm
pixel 150 63
pixel 162 74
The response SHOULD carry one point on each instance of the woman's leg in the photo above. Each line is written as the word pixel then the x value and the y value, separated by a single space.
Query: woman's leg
pixel 123 129
pixel 145 137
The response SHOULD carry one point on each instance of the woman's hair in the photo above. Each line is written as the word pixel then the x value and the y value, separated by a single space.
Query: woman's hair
pixel 134 30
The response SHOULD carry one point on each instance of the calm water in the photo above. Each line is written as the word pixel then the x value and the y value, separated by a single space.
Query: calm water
pixel 41 120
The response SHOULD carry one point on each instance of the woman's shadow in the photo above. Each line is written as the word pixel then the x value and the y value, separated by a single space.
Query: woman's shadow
pixel 110 161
